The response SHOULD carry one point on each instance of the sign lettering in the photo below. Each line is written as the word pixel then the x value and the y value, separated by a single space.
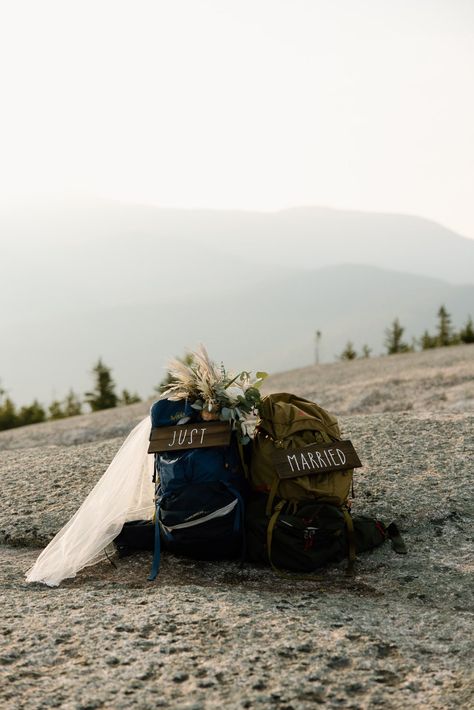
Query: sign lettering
pixel 193 436
pixel 315 458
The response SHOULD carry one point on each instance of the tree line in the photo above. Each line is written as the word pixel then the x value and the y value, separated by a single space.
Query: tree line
pixel 102 396
pixel 444 336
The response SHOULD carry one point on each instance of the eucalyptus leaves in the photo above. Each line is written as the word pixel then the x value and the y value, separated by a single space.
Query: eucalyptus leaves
pixel 215 393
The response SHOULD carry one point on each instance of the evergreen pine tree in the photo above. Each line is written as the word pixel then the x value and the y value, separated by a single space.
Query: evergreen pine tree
pixel 467 333
pixel 31 414
pixel 128 398
pixel 393 339
pixel 445 329
pixel 348 353
pixel 103 396
pixel 72 404
pixel 428 341
pixel 8 413
pixel 366 351
pixel 55 410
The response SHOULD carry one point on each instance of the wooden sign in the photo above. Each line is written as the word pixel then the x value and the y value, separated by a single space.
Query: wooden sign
pixel 189 436
pixel 315 458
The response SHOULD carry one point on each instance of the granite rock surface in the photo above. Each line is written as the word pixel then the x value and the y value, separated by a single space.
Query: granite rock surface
pixel 215 635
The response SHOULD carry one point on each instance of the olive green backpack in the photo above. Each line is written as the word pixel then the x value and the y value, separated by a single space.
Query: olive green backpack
pixel 290 422
pixel 303 521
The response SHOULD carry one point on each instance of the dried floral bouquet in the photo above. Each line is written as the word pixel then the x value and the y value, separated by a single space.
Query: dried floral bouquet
pixel 216 393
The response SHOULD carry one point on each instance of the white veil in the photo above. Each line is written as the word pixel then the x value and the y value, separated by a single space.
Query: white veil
pixel 125 492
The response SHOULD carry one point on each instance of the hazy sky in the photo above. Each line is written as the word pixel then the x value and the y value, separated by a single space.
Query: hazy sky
pixel 259 104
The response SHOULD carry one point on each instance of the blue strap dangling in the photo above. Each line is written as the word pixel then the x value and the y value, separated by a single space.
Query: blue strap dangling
pixel 157 552
pixel 239 519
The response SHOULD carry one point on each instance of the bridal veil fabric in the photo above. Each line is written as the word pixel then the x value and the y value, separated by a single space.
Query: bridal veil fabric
pixel 124 493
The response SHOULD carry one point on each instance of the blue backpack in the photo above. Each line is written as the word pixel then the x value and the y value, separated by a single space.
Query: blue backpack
pixel 199 494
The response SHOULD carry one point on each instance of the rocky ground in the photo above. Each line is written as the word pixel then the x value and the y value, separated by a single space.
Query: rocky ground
pixel 213 635
pixel 432 380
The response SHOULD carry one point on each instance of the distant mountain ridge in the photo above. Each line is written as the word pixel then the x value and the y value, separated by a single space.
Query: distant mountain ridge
pixel 124 237
pixel 314 237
